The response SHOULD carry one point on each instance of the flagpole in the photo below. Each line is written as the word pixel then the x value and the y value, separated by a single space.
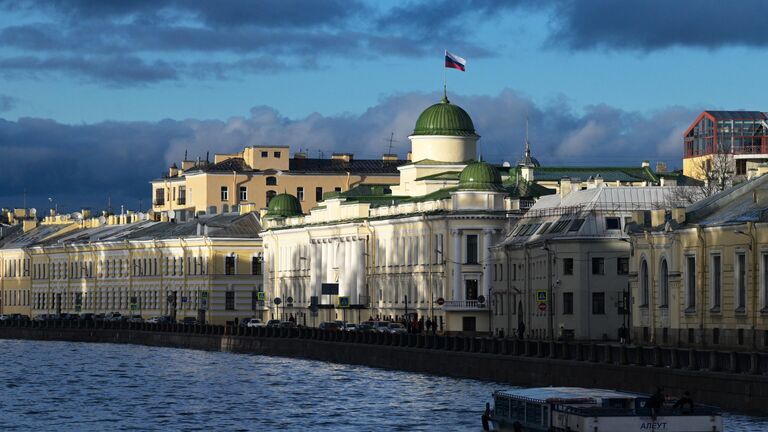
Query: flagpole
pixel 445 85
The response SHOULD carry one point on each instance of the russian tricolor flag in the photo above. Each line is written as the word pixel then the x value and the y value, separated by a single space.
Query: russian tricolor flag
pixel 452 61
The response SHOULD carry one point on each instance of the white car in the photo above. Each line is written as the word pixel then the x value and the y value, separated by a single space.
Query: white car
pixel 154 320
pixel 4 317
pixel 255 322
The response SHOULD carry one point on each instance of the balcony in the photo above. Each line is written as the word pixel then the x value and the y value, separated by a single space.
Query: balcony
pixel 465 305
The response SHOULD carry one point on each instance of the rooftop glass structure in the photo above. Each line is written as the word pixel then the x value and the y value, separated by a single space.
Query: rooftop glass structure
pixel 732 132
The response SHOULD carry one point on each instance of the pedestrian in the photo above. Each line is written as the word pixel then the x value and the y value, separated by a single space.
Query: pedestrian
pixel 623 334
pixel 434 326
pixel 429 325
pixel 521 330
pixel 683 401
pixel 486 417
pixel 656 401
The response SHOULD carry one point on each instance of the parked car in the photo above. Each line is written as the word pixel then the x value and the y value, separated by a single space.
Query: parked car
pixel 366 326
pixel 396 328
pixel 113 317
pixel 381 326
pixel 99 317
pixel 273 323
pixel 330 326
pixel 19 317
pixel 350 327
pixel 135 319
pixel 86 317
pixel 254 322
pixel 4 317
pixel 41 317
pixel 287 324
pixel 190 321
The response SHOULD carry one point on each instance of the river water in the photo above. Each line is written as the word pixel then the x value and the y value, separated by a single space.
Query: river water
pixel 77 386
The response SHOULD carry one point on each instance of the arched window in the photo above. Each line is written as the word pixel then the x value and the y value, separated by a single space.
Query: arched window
pixel 224 208
pixel 644 283
pixel 212 210
pixel 270 194
pixel 271 181
pixel 664 282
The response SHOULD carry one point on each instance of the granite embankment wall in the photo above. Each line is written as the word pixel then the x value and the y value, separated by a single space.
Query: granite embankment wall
pixel 736 381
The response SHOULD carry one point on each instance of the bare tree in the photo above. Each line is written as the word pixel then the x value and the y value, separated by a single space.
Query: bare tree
pixel 716 174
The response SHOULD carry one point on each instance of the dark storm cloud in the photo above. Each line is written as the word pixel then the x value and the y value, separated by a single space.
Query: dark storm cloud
pixel 117 70
pixel 7 103
pixel 656 24
pixel 87 163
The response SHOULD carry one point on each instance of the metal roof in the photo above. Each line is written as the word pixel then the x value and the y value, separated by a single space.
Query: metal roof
pixel 737 115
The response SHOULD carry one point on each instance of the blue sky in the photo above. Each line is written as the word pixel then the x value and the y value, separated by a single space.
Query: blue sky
pixel 107 94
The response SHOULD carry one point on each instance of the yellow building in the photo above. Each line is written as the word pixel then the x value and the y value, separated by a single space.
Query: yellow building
pixel 209 268
pixel 699 275
pixel 256 174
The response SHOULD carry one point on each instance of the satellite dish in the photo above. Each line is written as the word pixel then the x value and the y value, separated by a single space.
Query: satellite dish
pixel 77 216
pixel 142 216
pixel 102 220
pixel 171 214
pixel 33 211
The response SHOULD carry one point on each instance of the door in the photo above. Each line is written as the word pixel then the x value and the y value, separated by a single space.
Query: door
pixel 470 289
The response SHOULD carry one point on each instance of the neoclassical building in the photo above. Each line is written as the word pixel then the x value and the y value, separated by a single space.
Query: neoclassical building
pixel 208 268
pixel 699 275
pixel 420 248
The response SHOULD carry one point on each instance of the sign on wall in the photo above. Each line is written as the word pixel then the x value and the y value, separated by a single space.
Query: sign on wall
pixel 330 289
pixel 541 296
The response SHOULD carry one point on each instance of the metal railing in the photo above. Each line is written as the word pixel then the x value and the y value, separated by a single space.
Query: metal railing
pixel 465 304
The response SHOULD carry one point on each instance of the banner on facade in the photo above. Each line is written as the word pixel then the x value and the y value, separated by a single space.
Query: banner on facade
pixel 330 289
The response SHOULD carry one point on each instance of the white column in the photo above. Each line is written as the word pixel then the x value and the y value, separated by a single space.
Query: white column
pixel 360 270
pixel 315 263
pixel 345 267
pixel 486 257
pixel 456 258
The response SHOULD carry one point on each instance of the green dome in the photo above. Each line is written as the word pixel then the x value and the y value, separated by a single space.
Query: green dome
pixel 444 118
pixel 283 205
pixel 480 176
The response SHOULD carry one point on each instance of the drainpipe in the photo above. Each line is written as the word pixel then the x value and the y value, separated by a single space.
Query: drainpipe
pixel 701 278
pixel 651 285
pixel 752 230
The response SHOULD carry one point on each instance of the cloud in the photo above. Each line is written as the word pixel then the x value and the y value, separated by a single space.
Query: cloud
pixel 118 70
pixel 81 165
pixel 657 24
pixel 7 103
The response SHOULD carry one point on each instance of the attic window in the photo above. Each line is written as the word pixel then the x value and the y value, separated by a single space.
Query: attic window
pixel 264 154
pixel 559 226
pixel 544 228
pixel 576 225
pixel 612 223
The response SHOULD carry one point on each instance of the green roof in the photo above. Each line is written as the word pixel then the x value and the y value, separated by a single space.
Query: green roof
pixel 283 205
pixel 447 175
pixel 444 118
pixel 480 176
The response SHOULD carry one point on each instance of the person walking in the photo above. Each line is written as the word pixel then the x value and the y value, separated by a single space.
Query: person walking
pixel 521 330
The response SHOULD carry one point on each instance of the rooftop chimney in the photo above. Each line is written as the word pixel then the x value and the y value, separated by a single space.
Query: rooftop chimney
pixel 299 155
pixel 346 157
pixel 645 164
pixel 389 157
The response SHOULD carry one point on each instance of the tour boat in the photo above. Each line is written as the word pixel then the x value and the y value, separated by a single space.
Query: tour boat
pixel 593 410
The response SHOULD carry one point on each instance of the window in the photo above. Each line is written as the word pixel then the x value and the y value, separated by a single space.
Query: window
pixel 276 154
pixel 254 300
pixel 567 266
pixel 182 195
pixel 716 282
pixel 271 181
pixel 577 223
pixel 741 282
pixel 664 282
pixel 612 223
pixel 471 289
pixel 765 283
pixel 243 193
pixel 644 284
pixel 622 265
pixel 598 266
pixel 270 194
pixel 567 303
pixel 229 300
pixel 598 303
pixel 256 265
pixel 264 154
pixel 159 197
pixel 212 210
pixel 690 278
pixel 229 265
pixel 300 193
pixel 472 249
pixel 318 194
pixel 224 193
pixel 337 189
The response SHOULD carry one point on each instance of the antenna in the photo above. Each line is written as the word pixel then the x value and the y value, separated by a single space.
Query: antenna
pixel 185 154
pixel 391 140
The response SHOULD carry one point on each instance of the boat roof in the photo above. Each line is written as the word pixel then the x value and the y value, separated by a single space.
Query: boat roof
pixel 567 394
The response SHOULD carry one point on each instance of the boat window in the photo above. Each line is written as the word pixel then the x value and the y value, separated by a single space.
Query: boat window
pixel 532 413
pixel 501 407
pixel 518 409
pixel 545 410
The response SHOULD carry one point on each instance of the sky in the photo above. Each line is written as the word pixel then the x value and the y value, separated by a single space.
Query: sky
pixel 98 97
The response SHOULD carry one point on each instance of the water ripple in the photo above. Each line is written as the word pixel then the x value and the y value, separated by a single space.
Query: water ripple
pixel 82 387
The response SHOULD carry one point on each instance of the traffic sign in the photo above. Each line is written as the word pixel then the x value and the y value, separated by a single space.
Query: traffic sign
pixel 541 296
pixel 440 301
pixel 277 300
pixel 481 299
pixel 289 300
pixel 260 296
pixel 542 307
pixel 343 302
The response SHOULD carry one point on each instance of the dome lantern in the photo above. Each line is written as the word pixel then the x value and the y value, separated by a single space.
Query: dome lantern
pixel 283 205
pixel 480 176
